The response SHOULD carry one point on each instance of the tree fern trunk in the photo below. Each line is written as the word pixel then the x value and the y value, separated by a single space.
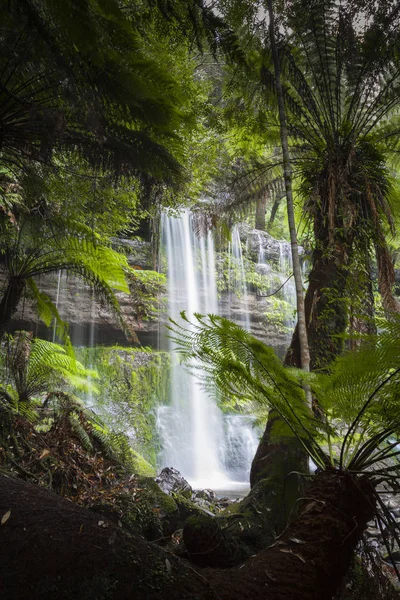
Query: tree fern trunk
pixel 326 317
pixel 260 213
pixel 10 300
pixel 279 452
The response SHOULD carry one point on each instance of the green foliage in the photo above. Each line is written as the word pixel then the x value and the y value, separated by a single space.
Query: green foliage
pixel 238 365
pixel 145 289
pixel 41 246
pixel 359 394
pixel 86 79
pixel 132 384
pixel 34 367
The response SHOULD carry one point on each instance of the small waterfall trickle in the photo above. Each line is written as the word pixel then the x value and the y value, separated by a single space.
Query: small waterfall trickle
pixel 261 251
pixel 238 277
pixel 197 438
pixel 289 288
pixel 57 303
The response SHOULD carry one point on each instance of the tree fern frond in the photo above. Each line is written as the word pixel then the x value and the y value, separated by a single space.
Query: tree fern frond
pixel 47 312
pixel 241 366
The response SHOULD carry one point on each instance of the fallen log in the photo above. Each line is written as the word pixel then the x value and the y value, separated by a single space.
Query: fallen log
pixel 51 548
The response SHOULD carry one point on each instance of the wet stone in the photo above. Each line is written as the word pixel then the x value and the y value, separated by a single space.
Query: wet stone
pixel 171 481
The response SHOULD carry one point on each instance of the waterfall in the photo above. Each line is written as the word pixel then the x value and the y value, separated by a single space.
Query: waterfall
pixel 209 448
pixel 261 251
pixel 59 275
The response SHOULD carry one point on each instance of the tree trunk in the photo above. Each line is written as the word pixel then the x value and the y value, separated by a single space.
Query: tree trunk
pixel 279 453
pixel 261 206
pixel 326 309
pixel 274 210
pixel 326 317
pixel 52 548
pixel 287 171
pixel 9 302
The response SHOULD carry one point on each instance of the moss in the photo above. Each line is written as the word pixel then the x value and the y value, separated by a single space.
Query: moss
pixel 187 508
pixel 142 467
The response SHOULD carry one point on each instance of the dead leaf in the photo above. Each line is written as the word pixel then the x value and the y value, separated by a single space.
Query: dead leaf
pixel 112 538
pixel 5 517
pixel 301 558
pixel 288 551
pixel 81 529
pixel 168 565
pixel 44 454
pixel 296 540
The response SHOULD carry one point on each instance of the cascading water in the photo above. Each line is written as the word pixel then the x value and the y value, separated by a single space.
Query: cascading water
pixel 209 448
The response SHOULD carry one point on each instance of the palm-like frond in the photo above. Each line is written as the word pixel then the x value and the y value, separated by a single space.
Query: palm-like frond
pixel 236 364
pixel 360 394
pixel 35 366
pixel 48 313
pixel 81 78
pixel 31 251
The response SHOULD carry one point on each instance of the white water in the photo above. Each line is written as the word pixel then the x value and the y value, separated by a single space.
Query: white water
pixel 209 448
pixel 289 288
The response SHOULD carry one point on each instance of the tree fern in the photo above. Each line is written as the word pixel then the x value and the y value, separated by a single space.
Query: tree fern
pixel 238 365
pixel 359 395
pixel 62 244
pixel 34 367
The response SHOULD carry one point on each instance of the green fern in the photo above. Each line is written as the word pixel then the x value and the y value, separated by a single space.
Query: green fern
pixel 34 366
pixel 358 400
pixel 228 360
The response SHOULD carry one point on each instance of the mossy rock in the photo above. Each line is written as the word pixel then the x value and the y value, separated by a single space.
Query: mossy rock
pixel 142 466
pixel 232 536
pixel 187 508
pixel 144 510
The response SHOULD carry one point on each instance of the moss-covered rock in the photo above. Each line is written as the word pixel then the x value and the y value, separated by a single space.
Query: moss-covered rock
pixel 187 508
pixel 236 533
pixel 141 508
pixel 142 466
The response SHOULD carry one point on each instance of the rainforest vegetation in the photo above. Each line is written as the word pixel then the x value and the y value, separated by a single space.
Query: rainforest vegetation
pixel 275 124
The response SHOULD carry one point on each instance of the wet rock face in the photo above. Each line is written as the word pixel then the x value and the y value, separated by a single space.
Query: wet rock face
pixel 90 321
pixel 171 481
pixel 257 240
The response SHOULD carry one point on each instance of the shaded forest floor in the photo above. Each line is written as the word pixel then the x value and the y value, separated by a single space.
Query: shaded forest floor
pixel 53 547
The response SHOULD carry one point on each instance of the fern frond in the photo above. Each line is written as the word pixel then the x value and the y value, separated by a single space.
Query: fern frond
pixel 47 312
pixel 229 359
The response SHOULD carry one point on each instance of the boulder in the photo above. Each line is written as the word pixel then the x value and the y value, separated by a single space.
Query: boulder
pixel 171 481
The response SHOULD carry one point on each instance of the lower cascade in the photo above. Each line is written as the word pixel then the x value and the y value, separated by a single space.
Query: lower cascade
pixel 211 449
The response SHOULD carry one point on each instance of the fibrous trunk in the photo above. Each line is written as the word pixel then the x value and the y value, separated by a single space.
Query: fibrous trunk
pixel 326 319
pixel 10 300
